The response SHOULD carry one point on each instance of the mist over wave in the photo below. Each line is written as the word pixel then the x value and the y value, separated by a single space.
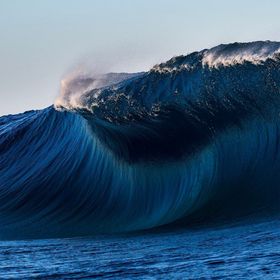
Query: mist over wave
pixel 194 137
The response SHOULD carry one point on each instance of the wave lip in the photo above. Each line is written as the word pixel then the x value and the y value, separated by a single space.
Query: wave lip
pixel 238 53
pixel 251 68
pixel 74 88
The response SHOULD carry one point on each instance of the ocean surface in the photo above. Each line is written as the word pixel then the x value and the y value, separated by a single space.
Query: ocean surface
pixel 248 250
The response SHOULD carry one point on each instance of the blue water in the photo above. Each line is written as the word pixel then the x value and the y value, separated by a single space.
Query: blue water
pixel 160 153
pixel 248 250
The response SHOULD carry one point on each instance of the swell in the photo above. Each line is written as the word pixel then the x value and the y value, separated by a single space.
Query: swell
pixel 60 180
pixel 59 177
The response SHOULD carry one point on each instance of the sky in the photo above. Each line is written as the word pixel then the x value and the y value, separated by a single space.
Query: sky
pixel 41 41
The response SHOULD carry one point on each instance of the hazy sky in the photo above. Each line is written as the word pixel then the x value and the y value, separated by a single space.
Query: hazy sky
pixel 42 40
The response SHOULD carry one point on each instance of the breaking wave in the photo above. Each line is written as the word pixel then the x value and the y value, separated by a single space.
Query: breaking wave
pixel 194 137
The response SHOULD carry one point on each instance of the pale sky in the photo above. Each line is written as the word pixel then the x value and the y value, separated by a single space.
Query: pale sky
pixel 42 40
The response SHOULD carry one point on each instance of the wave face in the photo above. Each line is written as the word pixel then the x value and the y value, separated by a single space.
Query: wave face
pixel 194 136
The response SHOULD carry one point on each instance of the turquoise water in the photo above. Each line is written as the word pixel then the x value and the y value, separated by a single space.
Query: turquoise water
pixel 244 251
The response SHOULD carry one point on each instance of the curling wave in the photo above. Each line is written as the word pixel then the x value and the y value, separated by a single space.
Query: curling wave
pixel 198 134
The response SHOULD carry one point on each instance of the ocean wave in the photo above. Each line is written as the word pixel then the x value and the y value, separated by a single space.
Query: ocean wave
pixel 140 151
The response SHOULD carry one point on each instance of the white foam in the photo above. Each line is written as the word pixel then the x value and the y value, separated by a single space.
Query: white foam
pixel 166 69
pixel 74 88
pixel 238 53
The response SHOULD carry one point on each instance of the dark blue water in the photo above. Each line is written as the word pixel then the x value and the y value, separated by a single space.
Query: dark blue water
pixel 244 251
pixel 186 143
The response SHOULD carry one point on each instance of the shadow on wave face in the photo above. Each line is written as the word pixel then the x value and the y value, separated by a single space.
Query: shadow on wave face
pixel 174 132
